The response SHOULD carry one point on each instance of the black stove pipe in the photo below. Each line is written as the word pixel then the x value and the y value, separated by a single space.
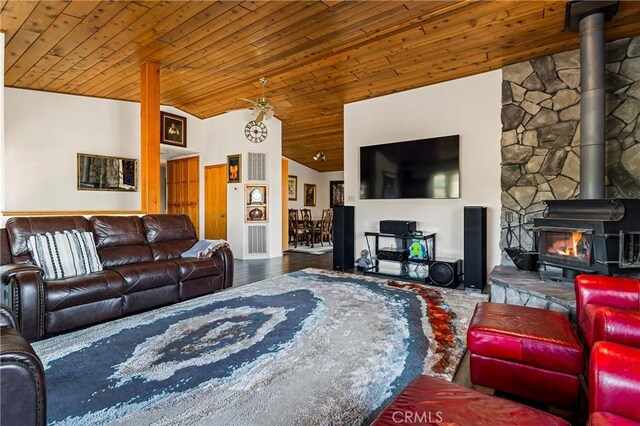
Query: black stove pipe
pixel 592 106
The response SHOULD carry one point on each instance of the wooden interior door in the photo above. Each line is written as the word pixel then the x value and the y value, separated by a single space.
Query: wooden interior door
pixel 183 186
pixel 215 202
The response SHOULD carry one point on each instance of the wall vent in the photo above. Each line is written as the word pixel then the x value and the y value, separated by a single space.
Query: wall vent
pixel 257 239
pixel 257 166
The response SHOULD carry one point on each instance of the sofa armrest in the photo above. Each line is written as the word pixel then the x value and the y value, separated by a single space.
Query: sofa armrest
pixel 24 295
pixel 227 258
pixel 9 271
pixel 22 386
pixel 7 318
pixel 614 380
pixel 623 293
pixel 618 326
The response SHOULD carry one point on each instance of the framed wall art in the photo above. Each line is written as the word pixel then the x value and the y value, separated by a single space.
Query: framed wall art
pixel 336 193
pixel 292 188
pixel 234 168
pixel 309 194
pixel 104 173
pixel 173 129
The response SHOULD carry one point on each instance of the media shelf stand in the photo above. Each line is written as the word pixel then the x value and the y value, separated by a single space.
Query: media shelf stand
pixel 408 270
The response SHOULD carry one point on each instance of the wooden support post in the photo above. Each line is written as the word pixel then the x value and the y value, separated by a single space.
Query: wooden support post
pixel 150 138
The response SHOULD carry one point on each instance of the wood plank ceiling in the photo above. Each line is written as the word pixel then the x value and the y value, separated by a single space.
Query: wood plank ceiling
pixel 317 55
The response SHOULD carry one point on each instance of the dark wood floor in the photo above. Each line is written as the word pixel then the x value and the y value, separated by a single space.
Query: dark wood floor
pixel 250 271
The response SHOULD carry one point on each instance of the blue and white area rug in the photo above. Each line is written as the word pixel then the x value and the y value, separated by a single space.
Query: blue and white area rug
pixel 312 347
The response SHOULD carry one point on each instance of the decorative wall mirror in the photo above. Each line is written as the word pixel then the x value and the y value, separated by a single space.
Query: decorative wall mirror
pixel 103 173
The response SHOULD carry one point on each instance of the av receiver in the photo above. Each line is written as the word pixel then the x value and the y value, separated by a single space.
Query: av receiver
pixel 395 254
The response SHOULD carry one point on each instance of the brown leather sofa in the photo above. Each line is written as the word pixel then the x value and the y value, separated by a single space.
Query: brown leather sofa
pixel 22 383
pixel 142 270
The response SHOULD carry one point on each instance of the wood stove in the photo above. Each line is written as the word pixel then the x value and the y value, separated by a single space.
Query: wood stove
pixel 600 236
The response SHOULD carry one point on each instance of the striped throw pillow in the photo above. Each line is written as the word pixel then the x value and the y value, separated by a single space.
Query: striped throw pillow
pixel 64 254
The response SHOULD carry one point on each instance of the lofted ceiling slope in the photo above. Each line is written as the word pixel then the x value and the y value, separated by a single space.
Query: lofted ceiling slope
pixel 317 55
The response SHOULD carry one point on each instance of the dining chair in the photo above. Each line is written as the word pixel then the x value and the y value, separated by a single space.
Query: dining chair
pixel 331 226
pixel 307 225
pixel 295 231
pixel 324 228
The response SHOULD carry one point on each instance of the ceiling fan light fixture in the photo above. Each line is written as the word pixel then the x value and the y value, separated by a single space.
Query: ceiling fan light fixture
pixel 257 114
pixel 262 109
pixel 268 114
pixel 319 156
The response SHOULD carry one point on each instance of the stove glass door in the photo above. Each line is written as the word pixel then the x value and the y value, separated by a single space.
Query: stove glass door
pixel 566 246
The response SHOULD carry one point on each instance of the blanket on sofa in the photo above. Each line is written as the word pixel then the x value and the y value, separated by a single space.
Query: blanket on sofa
pixel 204 248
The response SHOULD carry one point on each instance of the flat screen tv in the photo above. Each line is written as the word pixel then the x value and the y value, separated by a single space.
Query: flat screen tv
pixel 425 168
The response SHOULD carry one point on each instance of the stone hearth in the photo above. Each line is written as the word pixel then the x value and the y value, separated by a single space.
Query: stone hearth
pixel 515 287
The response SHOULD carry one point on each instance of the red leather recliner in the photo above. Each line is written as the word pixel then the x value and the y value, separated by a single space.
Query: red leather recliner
pixel 614 385
pixel 608 308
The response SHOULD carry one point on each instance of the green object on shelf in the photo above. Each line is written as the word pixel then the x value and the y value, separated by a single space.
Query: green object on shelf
pixel 417 250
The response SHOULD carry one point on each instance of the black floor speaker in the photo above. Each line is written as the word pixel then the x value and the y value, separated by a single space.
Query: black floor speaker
pixel 445 273
pixel 475 247
pixel 343 238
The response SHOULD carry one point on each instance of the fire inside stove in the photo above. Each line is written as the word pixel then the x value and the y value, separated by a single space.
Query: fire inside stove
pixel 575 244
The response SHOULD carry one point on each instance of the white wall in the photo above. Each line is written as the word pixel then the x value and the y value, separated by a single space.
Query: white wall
pixel 310 176
pixel 224 135
pixel 469 107
pixel 43 134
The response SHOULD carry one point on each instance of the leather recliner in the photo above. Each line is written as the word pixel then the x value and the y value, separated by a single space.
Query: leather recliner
pixel 614 385
pixel 608 309
pixel 142 270
pixel 22 382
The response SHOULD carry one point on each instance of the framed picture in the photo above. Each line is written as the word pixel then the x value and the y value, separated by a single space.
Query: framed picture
pixel 173 129
pixel 234 168
pixel 309 194
pixel 103 173
pixel 336 193
pixel 292 188
pixel 255 203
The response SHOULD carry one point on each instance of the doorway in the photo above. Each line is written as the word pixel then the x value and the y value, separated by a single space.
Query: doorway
pixel 183 186
pixel 215 202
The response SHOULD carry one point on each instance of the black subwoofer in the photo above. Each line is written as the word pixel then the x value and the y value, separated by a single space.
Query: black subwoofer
pixel 475 247
pixel 445 273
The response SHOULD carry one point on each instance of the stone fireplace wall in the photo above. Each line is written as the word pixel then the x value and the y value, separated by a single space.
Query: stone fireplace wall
pixel 541 133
